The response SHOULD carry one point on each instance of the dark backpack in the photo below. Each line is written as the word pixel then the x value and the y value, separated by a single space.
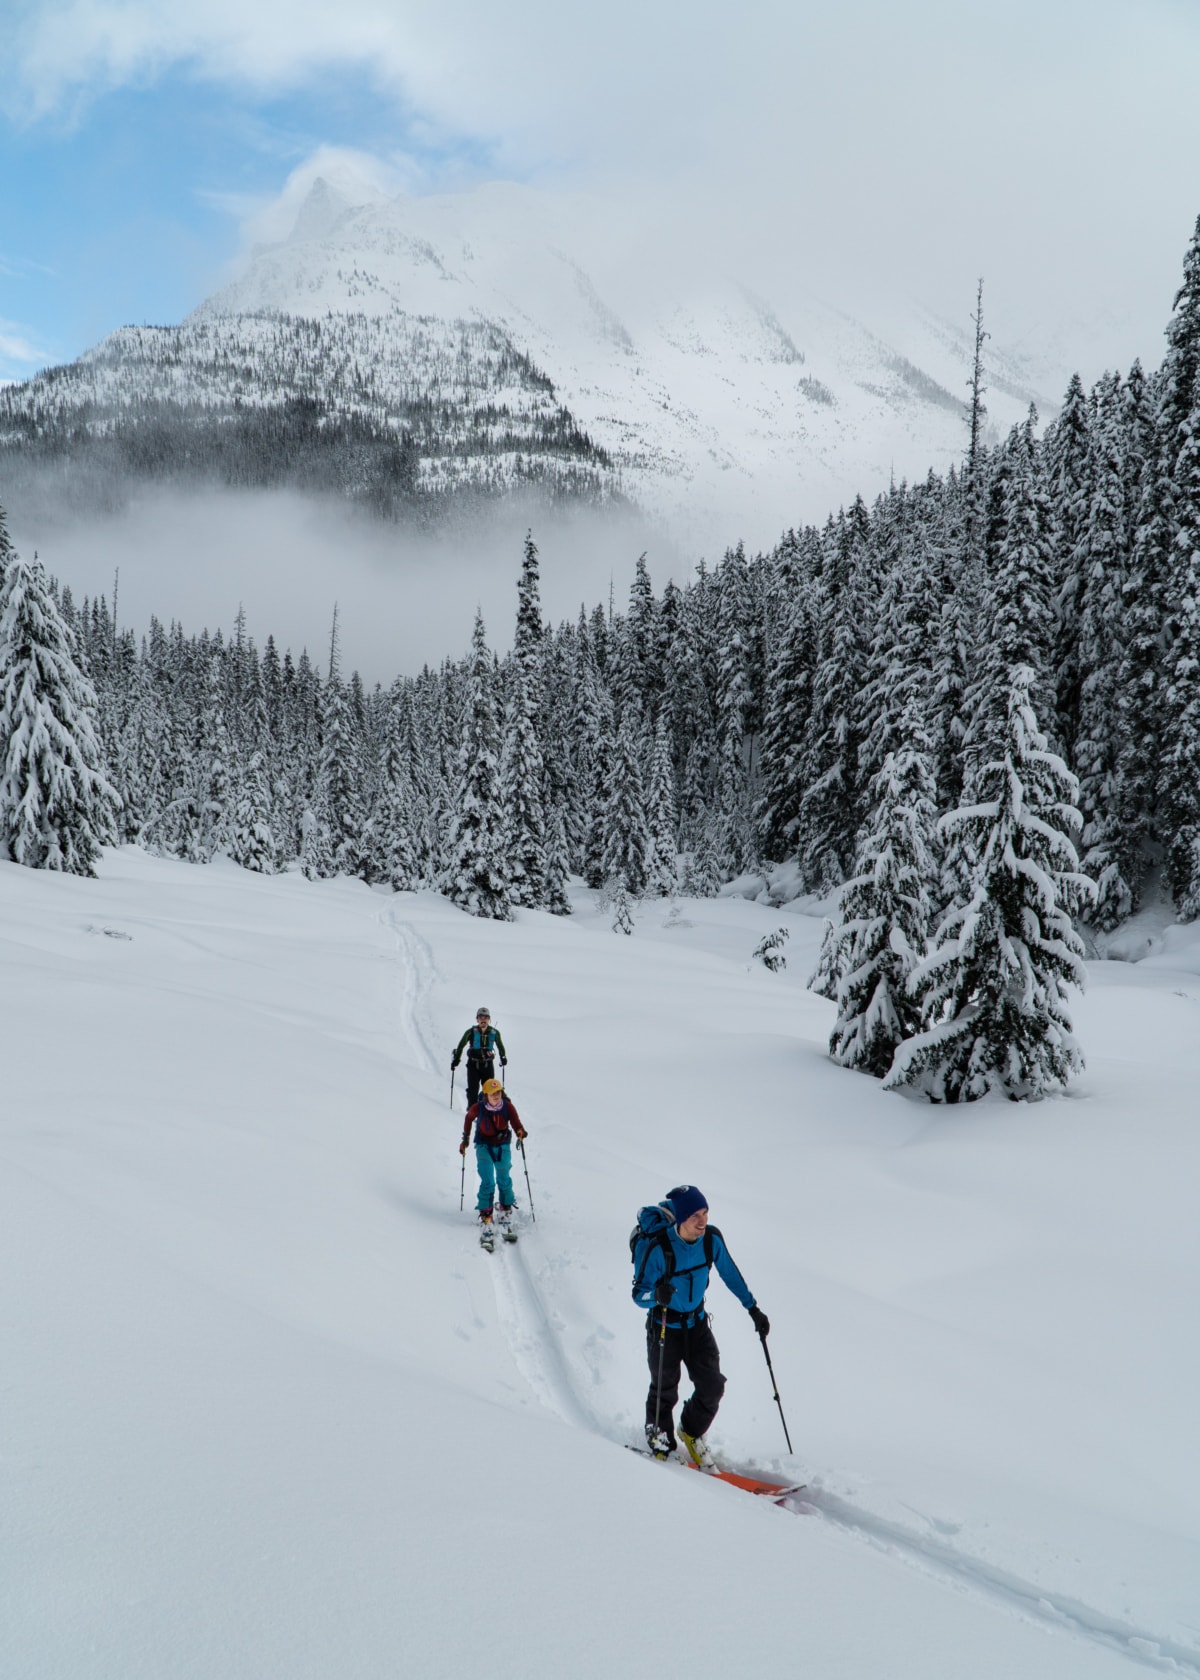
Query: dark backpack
pixel 653 1231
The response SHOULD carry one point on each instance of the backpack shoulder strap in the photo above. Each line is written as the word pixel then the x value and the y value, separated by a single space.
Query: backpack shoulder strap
pixel 710 1231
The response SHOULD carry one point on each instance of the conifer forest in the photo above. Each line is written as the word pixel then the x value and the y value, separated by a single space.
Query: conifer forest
pixel 969 713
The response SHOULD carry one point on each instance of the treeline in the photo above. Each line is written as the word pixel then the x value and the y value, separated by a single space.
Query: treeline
pixel 974 706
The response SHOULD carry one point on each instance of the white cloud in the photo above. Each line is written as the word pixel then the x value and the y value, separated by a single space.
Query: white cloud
pixel 1048 144
pixel 357 177
pixel 18 346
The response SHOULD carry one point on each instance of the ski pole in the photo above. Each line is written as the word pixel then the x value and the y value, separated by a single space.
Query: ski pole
pixel 462 1187
pixel 528 1187
pixel 662 1348
pixel 775 1386
pixel 453 1071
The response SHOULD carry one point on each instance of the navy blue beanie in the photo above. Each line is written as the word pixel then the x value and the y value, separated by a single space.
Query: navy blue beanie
pixel 685 1200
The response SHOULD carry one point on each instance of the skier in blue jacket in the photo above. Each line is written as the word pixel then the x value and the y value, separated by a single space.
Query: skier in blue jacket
pixel 675 1248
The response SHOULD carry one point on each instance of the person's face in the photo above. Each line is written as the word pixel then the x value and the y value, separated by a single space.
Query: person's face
pixel 484 1020
pixel 693 1225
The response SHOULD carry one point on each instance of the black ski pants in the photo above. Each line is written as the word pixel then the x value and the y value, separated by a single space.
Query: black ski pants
pixel 479 1068
pixel 697 1349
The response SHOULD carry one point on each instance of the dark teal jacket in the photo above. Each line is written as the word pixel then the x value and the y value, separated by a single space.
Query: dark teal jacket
pixel 481 1044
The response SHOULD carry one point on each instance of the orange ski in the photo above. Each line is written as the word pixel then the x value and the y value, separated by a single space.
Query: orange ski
pixel 752 1484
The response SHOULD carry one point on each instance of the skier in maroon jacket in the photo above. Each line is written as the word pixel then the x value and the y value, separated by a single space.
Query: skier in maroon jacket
pixel 495 1119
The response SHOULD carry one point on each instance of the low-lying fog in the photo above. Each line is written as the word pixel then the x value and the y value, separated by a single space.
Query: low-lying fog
pixel 405 597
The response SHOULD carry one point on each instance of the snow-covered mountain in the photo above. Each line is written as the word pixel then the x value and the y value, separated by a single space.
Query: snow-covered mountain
pixel 503 335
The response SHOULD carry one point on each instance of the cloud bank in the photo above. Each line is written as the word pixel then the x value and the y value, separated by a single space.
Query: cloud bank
pixel 1053 147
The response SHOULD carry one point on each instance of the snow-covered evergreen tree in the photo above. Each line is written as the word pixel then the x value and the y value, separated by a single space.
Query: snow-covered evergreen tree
pixel 885 911
pixel 626 833
pixel 661 879
pixel 994 990
pixel 522 763
pixel 56 807
pixel 557 865
pixel 251 842
pixel 1017 623
pixel 830 805
pixel 215 766
pixel 476 874
pixel 1179 789
pixel 1100 650
pixel 341 767
pixel 788 700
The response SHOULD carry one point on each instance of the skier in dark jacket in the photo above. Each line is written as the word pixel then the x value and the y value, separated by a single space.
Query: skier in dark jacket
pixel 495 1119
pixel 481 1043
pixel 677 1328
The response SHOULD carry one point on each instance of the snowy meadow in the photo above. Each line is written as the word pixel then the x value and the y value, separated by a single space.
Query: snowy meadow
pixel 271 1411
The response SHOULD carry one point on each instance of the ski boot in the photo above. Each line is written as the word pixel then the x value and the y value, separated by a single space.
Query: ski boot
pixel 487 1231
pixel 506 1222
pixel 699 1451
pixel 659 1442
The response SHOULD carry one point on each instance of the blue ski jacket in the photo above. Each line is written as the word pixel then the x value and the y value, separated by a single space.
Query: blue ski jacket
pixel 689 1280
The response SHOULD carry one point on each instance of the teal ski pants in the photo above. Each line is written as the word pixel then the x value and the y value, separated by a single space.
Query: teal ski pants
pixel 494 1161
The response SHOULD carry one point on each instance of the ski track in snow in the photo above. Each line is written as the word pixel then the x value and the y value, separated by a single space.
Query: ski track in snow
pixel 535 1347
pixel 1035 1603
pixel 419 972
pixel 539 1356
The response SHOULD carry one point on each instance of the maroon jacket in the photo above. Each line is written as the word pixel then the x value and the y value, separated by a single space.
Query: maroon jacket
pixel 492 1124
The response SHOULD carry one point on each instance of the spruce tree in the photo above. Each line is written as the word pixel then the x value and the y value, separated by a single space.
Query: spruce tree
pixel 1179 788
pixel 1069 454
pixel 626 834
pixel 251 842
pixel 660 816
pixel 557 865
pixel 523 765
pixel 56 807
pixel 1100 654
pixel 788 702
pixel 1016 627
pixel 994 990
pixel 341 766
pixel 885 911
pixel 214 767
pixel 476 876
pixel 830 805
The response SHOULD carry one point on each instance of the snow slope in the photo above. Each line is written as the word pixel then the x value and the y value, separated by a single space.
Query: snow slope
pixel 269 1411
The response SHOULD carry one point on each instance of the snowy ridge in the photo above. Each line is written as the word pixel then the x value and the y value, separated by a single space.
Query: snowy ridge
pixel 506 337
pixel 248 398
pixel 706 395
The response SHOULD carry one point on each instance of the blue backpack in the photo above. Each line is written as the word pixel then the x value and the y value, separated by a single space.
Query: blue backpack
pixel 651 1232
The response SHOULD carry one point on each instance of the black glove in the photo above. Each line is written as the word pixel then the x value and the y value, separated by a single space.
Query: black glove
pixel 760 1321
pixel 662 1292
pixel 503 1062
pixel 454 1061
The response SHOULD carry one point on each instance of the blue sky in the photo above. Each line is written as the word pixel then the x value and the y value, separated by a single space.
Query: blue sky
pixel 131 212
pixel 1051 145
